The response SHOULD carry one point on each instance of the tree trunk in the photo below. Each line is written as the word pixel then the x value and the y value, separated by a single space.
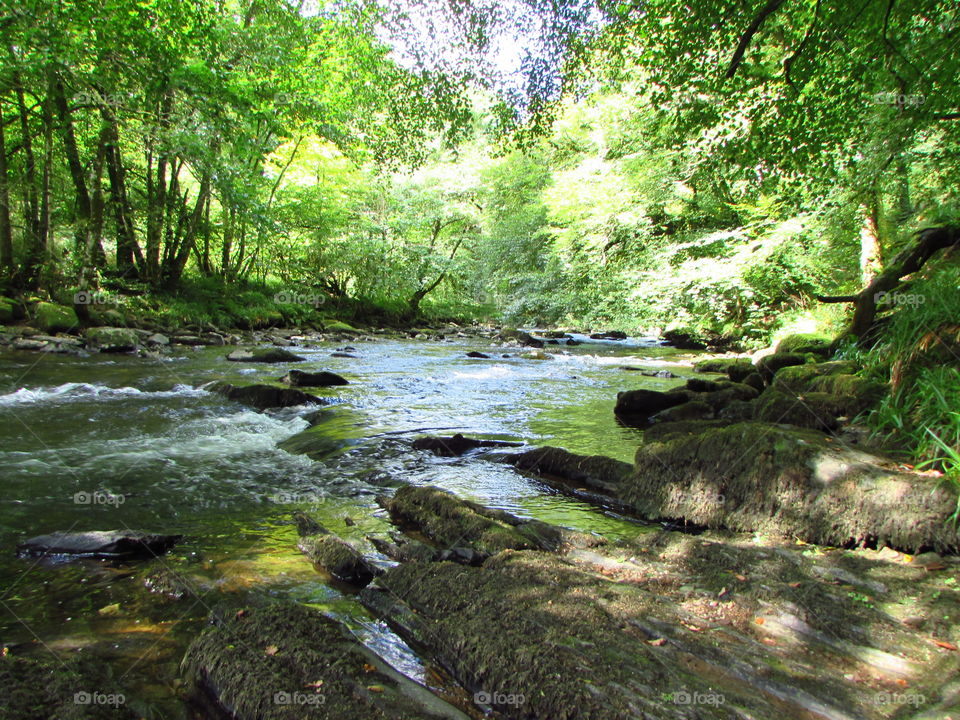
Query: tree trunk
pixel 871 261
pixel 82 226
pixel 926 244
pixel 127 247
pixel 6 233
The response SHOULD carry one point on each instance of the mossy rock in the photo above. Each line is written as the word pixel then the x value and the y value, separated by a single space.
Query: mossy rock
pixel 769 365
pixel 740 371
pixel 693 410
pixel 111 339
pixel 636 407
pixel 594 471
pixel 789 482
pixel 718 365
pixel 284 661
pixel 799 378
pixel 61 688
pixel 109 317
pixel 803 343
pixel 818 411
pixel 451 522
pixel 52 318
pixel 264 397
pixel 8 310
pixel 339 326
pixel 338 558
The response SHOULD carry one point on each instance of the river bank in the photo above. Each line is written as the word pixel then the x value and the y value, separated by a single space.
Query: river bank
pixel 228 478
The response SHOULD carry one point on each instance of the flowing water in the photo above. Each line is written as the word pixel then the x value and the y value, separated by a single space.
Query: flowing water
pixel 120 442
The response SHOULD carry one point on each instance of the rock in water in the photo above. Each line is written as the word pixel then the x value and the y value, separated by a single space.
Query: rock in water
pixel 285 661
pixel 457 445
pixel 331 553
pixel 112 339
pixel 112 544
pixel 636 407
pixel 475 354
pixel 264 355
pixel 264 397
pixel 299 378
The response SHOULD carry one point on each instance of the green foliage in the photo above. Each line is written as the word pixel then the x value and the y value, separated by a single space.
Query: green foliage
pixel 918 354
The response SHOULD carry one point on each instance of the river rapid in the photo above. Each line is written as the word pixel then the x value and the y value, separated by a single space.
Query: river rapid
pixel 123 442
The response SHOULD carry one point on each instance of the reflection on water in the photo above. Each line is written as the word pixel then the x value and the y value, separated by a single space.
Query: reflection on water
pixel 120 442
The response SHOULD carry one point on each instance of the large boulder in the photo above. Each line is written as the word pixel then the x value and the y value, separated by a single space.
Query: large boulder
pixel 112 544
pixel 299 378
pixel 803 343
pixel 673 626
pixel 789 482
pixel 53 318
pixel 264 397
pixel 264 355
pixel 112 339
pixel 636 407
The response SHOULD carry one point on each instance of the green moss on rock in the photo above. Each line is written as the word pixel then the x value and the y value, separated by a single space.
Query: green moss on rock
pixel 284 661
pixel 61 688
pixel 803 343
pixel 53 318
pixel 789 482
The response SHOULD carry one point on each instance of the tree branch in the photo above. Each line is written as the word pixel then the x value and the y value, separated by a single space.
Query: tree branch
pixel 769 9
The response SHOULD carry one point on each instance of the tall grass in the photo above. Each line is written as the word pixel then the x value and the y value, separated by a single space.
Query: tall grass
pixel 918 354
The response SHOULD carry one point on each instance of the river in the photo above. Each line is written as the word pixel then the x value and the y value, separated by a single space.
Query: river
pixel 121 442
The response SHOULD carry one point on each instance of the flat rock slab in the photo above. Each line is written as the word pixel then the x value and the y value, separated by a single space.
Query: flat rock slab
pixel 264 355
pixel 678 627
pixel 284 661
pixel 109 544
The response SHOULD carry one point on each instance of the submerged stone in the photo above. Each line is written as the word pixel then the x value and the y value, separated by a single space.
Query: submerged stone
pixel 111 544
